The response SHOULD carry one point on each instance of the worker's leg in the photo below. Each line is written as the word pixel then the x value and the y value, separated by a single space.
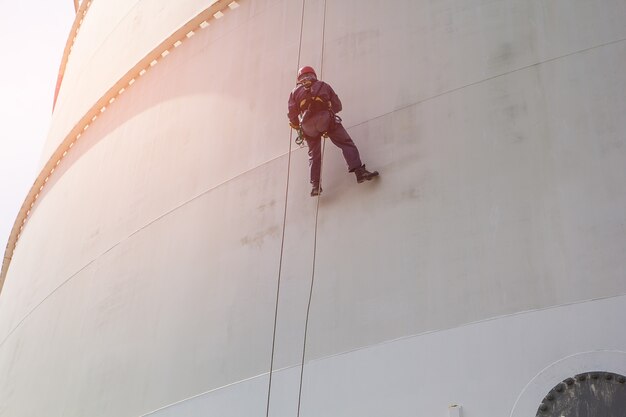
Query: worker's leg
pixel 342 139
pixel 315 158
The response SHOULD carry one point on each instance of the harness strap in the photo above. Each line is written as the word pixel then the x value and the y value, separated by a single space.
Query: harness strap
pixel 316 98
pixel 303 102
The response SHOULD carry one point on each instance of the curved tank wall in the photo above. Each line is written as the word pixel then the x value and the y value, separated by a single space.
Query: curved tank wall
pixel 174 261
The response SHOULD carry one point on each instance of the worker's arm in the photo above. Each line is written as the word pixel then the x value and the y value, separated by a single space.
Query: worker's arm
pixel 335 103
pixel 294 111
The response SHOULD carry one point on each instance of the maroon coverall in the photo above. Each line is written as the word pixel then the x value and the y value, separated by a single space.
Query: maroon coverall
pixel 299 100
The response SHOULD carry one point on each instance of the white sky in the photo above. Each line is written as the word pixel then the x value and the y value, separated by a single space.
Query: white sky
pixel 33 37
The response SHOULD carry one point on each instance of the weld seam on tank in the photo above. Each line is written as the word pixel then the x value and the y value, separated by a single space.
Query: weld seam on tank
pixel 126 81
pixel 493 77
pixel 138 230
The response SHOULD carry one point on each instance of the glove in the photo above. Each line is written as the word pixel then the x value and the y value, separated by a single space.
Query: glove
pixel 295 126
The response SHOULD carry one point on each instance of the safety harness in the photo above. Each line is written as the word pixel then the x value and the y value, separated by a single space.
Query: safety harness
pixel 314 99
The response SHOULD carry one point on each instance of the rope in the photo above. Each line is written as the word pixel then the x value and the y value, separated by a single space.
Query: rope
pixel 317 208
pixel 282 243
pixel 308 308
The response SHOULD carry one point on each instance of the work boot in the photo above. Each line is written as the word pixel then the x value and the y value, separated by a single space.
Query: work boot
pixel 316 190
pixel 363 174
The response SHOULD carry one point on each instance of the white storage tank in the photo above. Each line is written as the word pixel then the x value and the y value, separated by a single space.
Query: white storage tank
pixel 169 260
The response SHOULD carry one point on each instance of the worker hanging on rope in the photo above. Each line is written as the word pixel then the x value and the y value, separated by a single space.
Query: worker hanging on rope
pixel 313 108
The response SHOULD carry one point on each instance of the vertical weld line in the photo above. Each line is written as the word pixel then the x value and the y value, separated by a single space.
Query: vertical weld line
pixel 317 208
pixel 282 243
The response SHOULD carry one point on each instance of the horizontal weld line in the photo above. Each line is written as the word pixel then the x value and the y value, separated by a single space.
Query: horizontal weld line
pixel 204 393
pixel 151 222
pixel 42 301
pixel 282 155
pixel 417 103
pixel 16 234
pixel 476 322
pixel 400 339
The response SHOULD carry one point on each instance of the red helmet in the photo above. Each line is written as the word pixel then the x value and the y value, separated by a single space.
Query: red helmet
pixel 306 70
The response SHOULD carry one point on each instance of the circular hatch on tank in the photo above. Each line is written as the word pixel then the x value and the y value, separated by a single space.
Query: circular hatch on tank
pixel 590 394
